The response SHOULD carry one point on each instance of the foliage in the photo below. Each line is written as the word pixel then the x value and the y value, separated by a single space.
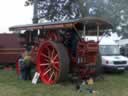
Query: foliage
pixel 115 11
pixel 28 2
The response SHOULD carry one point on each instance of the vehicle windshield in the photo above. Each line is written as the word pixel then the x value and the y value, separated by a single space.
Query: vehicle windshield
pixel 106 50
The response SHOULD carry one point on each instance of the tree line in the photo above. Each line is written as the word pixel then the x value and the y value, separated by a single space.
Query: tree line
pixel 115 11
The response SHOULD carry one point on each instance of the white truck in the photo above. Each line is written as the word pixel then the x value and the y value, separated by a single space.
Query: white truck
pixel 111 58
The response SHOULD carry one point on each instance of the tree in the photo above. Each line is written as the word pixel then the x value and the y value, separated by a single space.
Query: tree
pixel 28 2
pixel 115 11
pixel 55 10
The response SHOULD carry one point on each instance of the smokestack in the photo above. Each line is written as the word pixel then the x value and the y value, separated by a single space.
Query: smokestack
pixel 35 16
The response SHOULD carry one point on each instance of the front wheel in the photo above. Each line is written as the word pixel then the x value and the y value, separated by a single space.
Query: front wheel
pixel 18 67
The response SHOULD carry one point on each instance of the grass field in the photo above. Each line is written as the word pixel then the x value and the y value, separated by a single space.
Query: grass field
pixel 112 85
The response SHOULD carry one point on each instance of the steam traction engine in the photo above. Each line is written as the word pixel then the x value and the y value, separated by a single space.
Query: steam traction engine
pixel 59 48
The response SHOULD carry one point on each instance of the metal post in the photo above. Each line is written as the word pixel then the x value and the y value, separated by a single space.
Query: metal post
pixel 30 38
pixel 35 17
pixel 98 31
pixel 35 11
pixel 84 30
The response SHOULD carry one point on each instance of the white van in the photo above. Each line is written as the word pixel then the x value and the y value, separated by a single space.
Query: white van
pixel 111 58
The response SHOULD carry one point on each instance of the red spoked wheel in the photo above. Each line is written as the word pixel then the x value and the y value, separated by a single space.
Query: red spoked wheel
pixel 17 67
pixel 52 62
pixel 53 36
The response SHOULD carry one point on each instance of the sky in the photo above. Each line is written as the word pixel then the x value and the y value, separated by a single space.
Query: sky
pixel 13 12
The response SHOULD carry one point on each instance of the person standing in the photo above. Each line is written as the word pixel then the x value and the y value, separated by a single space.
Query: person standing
pixel 27 63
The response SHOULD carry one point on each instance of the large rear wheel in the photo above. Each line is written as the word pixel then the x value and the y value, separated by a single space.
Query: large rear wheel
pixel 52 62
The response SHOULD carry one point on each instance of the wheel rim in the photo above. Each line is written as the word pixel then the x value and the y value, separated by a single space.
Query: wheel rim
pixel 48 63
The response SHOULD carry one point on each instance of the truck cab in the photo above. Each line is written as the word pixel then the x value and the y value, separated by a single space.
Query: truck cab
pixel 111 58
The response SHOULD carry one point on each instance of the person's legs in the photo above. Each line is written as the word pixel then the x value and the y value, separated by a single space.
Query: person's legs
pixel 29 73
pixel 25 73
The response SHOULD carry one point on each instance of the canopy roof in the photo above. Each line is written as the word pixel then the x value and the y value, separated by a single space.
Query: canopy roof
pixel 90 22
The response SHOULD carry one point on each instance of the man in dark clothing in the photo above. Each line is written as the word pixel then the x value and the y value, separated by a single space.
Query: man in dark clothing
pixel 27 63
pixel 71 40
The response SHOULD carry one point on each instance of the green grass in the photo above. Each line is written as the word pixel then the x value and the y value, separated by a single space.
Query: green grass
pixel 112 85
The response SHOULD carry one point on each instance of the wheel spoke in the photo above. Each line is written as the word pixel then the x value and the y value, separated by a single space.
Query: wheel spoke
pixel 55 57
pixel 56 68
pixel 44 64
pixel 47 60
pixel 53 51
pixel 49 52
pixel 44 55
pixel 51 76
pixel 56 74
pixel 57 62
pixel 46 72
